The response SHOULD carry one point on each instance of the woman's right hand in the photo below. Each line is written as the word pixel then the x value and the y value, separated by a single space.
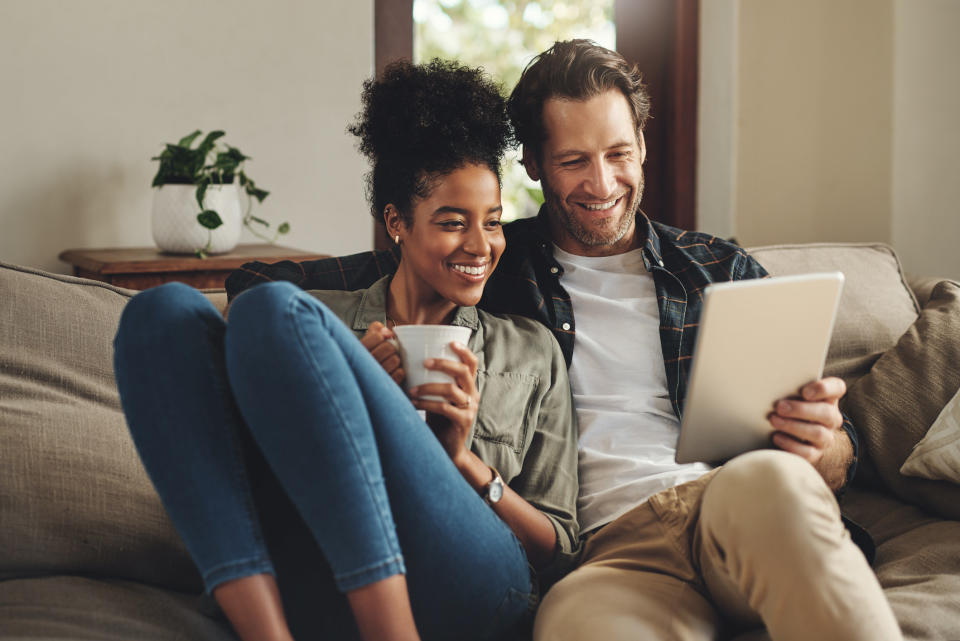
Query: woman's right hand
pixel 377 340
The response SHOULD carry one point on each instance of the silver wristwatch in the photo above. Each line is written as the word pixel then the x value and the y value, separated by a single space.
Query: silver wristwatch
pixel 493 491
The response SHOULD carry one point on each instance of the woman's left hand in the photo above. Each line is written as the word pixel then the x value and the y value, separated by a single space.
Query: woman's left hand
pixel 451 418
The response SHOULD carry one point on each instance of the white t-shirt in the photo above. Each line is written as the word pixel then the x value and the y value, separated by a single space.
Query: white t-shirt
pixel 628 431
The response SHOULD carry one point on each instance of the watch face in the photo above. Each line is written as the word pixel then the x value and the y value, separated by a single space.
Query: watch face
pixel 495 490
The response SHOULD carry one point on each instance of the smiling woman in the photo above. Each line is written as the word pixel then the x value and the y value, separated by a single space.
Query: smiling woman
pixel 295 403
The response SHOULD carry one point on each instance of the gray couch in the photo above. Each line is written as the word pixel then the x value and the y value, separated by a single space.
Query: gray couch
pixel 87 552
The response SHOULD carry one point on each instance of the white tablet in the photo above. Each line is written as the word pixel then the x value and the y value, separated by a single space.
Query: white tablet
pixel 759 341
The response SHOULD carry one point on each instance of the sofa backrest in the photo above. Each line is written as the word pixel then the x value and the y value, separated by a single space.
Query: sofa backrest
pixel 74 498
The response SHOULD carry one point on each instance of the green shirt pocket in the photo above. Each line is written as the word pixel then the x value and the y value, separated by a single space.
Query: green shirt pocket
pixel 505 423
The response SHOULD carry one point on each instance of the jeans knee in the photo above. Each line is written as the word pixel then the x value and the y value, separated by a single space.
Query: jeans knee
pixel 259 304
pixel 161 311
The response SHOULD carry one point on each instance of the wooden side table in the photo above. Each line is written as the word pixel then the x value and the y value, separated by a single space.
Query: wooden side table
pixel 145 267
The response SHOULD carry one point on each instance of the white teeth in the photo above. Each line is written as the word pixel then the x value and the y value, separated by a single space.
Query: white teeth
pixel 600 206
pixel 473 271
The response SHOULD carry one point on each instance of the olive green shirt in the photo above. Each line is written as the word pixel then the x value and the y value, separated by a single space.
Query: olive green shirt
pixel 525 426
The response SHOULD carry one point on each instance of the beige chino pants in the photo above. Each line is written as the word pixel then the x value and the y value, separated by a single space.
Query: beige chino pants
pixel 756 542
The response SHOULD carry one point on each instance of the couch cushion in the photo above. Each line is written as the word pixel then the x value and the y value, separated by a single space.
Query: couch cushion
pixel 74 497
pixel 876 306
pixel 895 404
pixel 917 563
pixel 937 455
pixel 70 607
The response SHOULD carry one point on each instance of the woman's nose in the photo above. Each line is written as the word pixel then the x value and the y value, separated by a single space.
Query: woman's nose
pixel 476 242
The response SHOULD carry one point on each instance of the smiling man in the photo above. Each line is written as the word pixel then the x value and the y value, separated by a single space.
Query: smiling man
pixel 671 551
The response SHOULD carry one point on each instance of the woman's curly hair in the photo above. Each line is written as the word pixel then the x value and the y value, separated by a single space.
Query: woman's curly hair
pixel 421 122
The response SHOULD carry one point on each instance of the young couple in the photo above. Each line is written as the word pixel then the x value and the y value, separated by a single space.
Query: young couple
pixel 297 394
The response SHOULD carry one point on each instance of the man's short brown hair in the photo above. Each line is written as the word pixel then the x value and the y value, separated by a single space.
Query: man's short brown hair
pixel 574 70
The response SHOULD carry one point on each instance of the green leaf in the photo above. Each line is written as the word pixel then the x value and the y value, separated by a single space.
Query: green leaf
pixel 283 228
pixel 201 191
pixel 208 142
pixel 259 194
pixel 236 154
pixel 226 163
pixel 243 178
pixel 209 219
pixel 259 220
pixel 187 140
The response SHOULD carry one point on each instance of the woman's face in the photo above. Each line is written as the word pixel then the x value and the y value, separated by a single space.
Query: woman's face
pixel 455 239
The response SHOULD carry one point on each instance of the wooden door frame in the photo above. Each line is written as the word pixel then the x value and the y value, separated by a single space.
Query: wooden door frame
pixel 662 37
pixel 393 39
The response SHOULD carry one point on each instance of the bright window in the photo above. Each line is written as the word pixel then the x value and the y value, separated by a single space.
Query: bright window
pixel 502 37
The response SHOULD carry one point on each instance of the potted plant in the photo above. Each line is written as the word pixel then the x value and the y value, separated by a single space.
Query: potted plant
pixel 196 206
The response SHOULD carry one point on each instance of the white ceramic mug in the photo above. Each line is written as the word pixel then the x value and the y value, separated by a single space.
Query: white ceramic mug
pixel 417 343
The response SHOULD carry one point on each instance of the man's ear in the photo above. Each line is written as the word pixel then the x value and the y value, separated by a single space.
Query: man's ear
pixel 643 147
pixel 530 164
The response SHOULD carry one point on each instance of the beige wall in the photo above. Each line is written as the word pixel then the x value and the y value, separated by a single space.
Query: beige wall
pixel 91 89
pixel 814 146
pixel 832 120
pixel 926 136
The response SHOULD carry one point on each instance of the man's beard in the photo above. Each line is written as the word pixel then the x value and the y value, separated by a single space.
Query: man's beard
pixel 592 237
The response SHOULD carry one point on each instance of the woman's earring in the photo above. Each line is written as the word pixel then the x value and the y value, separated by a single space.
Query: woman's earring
pixel 396 239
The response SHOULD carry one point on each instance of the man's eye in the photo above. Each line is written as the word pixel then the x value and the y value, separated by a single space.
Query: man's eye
pixel 570 163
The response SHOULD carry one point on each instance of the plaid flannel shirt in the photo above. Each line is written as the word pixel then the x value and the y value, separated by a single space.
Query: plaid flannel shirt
pixel 527 282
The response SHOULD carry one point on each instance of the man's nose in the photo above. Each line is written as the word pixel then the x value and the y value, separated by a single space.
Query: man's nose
pixel 601 182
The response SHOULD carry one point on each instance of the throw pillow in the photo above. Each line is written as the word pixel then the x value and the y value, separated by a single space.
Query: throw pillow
pixel 937 456
pixel 894 405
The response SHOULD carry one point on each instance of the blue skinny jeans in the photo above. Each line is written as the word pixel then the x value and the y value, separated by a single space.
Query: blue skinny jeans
pixel 282 420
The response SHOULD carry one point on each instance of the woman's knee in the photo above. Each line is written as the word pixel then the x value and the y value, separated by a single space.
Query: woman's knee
pixel 164 312
pixel 262 299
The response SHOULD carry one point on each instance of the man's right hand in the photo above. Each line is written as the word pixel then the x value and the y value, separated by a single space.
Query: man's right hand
pixel 377 341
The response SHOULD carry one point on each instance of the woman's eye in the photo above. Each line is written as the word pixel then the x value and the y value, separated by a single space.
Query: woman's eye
pixel 493 224
pixel 451 224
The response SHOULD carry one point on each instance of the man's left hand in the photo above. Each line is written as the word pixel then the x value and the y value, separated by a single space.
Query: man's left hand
pixel 807 425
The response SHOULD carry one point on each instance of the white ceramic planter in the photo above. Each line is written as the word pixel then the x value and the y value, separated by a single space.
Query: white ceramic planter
pixel 174 220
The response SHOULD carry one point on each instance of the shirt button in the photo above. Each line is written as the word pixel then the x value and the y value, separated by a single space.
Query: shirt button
pixel 566 327
pixel 660 262
pixel 554 270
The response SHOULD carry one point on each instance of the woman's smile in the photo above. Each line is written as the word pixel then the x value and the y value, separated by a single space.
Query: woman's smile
pixel 472 272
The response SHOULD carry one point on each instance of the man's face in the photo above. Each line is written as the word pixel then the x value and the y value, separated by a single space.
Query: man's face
pixel 591 172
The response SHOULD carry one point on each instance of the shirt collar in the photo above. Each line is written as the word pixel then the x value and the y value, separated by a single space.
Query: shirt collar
pixel 373 307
